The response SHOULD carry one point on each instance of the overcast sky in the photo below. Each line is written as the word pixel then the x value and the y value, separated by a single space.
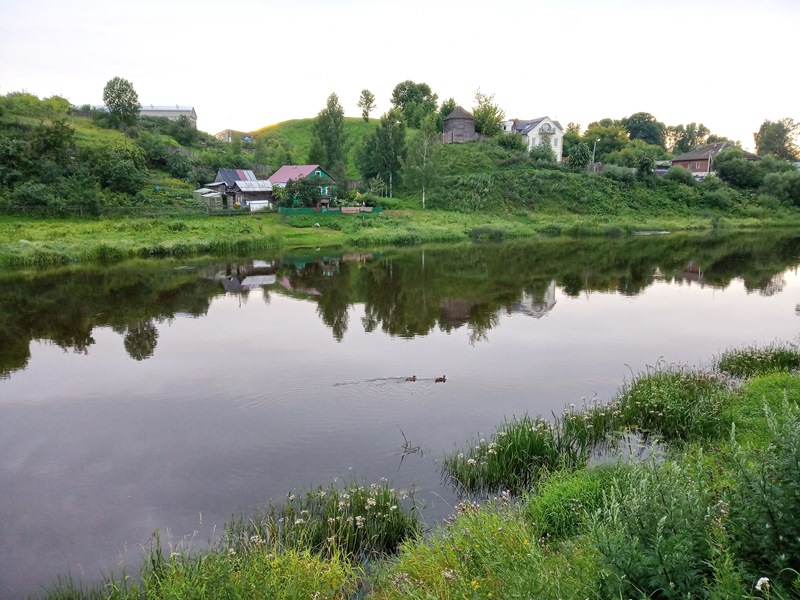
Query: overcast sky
pixel 245 64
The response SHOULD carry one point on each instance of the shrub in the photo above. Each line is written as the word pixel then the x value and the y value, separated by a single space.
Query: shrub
pixel 620 174
pixel 680 175
pixel 654 534
pixel 511 141
pixel 765 500
pixel 561 504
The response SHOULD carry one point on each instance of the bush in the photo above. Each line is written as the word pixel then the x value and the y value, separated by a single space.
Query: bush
pixel 680 175
pixel 765 502
pixel 511 141
pixel 562 504
pixel 654 534
pixel 620 174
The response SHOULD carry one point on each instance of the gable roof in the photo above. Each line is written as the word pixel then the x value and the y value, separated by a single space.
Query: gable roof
pixel 459 113
pixel 165 108
pixel 231 176
pixel 525 126
pixel 287 172
pixel 703 151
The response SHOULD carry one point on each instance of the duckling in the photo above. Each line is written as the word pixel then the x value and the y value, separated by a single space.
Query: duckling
pixel 412 378
pixel 442 379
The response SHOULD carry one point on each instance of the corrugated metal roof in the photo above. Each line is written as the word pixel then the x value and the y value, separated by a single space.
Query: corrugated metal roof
pixel 254 186
pixel 287 172
pixel 231 176
pixel 173 107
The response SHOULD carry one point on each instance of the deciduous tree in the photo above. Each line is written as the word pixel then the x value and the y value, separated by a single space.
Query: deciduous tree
pixel 421 165
pixel 778 138
pixel 488 115
pixel 329 130
pixel 644 126
pixel 414 100
pixel 366 102
pixel 579 156
pixel 384 149
pixel 122 101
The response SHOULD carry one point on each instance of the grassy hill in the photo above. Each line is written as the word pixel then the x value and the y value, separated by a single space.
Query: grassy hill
pixel 298 133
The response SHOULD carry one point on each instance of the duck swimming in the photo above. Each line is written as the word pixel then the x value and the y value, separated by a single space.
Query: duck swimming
pixel 442 379
pixel 412 378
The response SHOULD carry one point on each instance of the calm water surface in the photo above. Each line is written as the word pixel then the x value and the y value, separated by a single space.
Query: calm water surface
pixel 172 395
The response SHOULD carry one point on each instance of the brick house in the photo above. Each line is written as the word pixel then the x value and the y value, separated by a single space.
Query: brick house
pixel 701 160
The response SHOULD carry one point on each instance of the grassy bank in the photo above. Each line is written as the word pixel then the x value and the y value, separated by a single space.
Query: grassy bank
pixel 32 241
pixel 685 485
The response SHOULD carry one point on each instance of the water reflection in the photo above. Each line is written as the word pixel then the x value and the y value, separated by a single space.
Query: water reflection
pixel 405 293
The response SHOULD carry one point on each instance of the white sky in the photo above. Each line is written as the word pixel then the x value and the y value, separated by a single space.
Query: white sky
pixel 244 64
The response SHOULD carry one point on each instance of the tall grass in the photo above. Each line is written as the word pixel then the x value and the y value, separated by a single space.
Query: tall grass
pixel 759 360
pixel 357 520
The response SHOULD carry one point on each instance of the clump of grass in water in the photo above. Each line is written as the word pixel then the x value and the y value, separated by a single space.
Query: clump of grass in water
pixel 357 520
pixel 760 360
pixel 522 451
pixel 673 403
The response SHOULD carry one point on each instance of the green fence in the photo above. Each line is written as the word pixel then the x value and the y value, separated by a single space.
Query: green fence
pixel 354 210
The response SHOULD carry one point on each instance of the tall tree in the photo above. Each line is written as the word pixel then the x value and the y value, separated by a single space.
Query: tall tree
pixel 778 138
pixel 644 126
pixel 366 102
pixel 414 100
pixel 122 101
pixel 488 116
pixel 383 151
pixel 680 139
pixel 421 164
pixel 329 130
pixel 445 109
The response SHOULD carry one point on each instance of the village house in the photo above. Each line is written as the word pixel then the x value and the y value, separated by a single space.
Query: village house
pixel 237 187
pixel 173 112
pixel 541 131
pixel 699 162
pixel 282 176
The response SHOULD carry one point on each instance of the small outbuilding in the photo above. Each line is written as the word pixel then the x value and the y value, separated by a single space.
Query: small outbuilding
pixel 459 126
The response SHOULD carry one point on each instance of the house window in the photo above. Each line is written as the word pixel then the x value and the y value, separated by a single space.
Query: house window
pixel 697 165
pixel 317 173
pixel 555 141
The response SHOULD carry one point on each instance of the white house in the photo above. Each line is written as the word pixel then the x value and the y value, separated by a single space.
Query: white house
pixel 543 130
pixel 171 112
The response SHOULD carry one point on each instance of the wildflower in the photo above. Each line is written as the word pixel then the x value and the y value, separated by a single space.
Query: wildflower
pixel 299 521
pixel 475 585
pixel 291 497
pixel 256 540
pixel 393 507
pixel 359 521
pixel 471 461
pixel 762 583
pixel 448 574
pixel 370 503
pixel 231 552
pixel 342 504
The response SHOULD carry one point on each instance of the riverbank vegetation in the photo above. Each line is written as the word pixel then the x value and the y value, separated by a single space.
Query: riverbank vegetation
pixel 62 161
pixel 695 494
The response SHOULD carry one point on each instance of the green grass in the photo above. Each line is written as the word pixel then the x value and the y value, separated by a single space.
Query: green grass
pixel 300 132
